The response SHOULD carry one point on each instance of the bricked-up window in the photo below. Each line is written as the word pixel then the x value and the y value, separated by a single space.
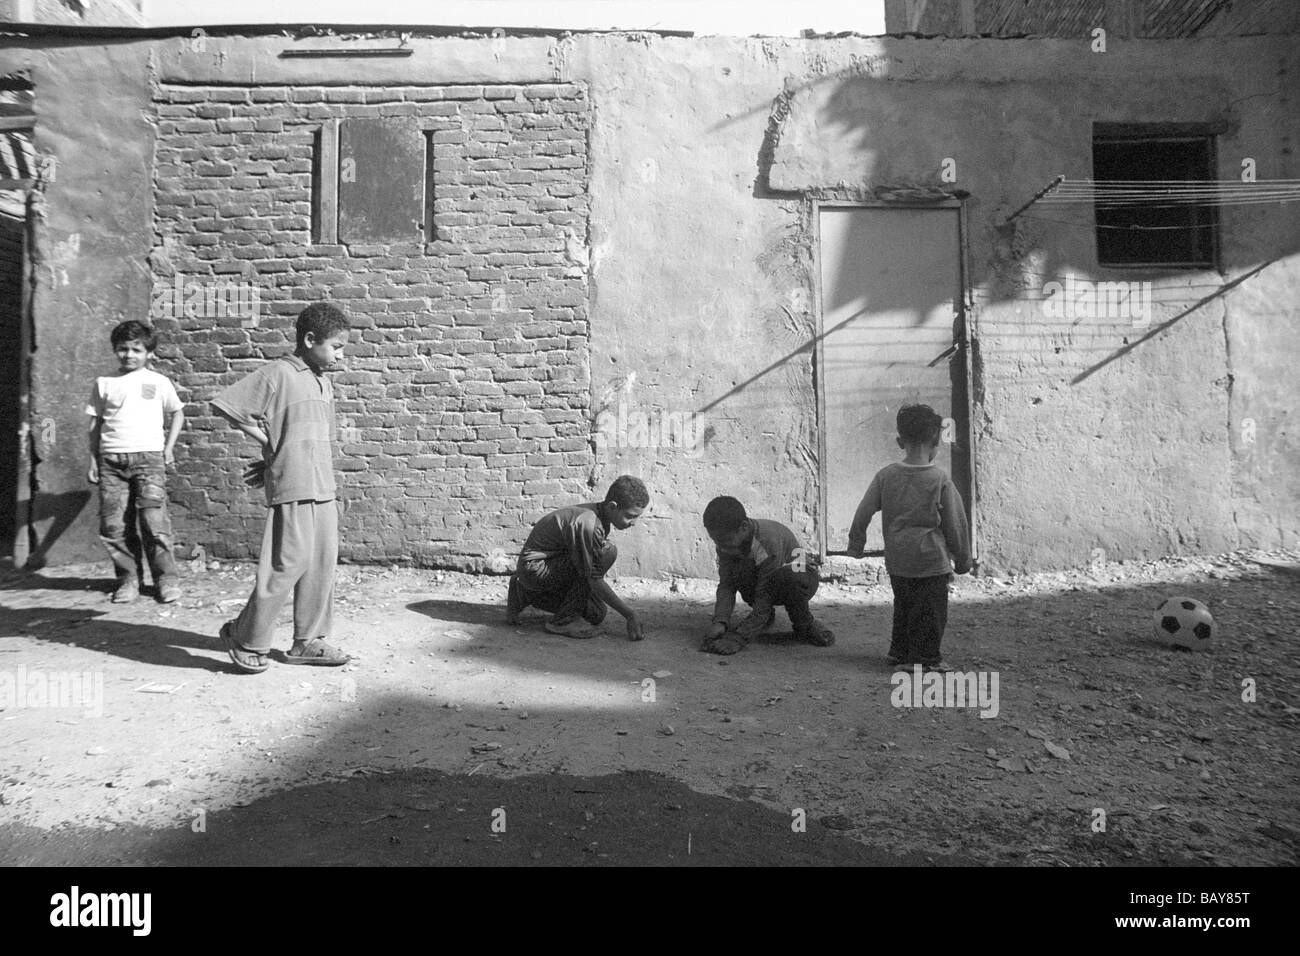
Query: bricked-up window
pixel 381 180
pixel 1138 228
pixel 466 408
pixel 430 233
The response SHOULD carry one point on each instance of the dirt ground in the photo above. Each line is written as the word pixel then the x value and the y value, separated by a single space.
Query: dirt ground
pixel 455 738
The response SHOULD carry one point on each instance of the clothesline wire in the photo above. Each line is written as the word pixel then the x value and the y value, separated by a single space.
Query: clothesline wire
pixel 1170 193
pixel 1134 228
pixel 1176 182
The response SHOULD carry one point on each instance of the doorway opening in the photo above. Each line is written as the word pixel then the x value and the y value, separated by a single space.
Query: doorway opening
pixel 18 176
pixel 893 332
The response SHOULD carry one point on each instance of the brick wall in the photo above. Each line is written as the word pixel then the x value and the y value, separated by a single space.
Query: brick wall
pixel 464 410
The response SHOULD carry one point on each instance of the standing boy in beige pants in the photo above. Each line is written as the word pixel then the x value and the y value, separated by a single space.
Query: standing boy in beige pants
pixel 287 407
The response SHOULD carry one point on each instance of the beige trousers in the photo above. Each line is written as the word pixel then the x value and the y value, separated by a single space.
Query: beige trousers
pixel 300 548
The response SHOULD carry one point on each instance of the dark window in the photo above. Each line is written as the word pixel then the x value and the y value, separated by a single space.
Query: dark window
pixel 1144 220
pixel 430 233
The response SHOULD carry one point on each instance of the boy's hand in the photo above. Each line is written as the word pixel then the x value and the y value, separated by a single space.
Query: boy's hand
pixel 856 552
pixel 92 474
pixel 715 630
pixel 635 632
pixel 255 474
pixel 169 457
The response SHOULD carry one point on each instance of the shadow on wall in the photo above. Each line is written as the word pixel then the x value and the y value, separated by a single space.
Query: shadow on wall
pixel 52 515
pixel 857 137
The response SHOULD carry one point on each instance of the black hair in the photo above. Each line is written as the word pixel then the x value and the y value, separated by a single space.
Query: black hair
pixel 322 320
pixel 918 424
pixel 628 492
pixel 133 330
pixel 723 515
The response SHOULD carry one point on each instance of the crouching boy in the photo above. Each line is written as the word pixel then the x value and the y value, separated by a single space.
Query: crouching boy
pixel 563 563
pixel 762 560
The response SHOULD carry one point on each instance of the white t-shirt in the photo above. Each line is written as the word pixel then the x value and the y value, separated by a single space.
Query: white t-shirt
pixel 132 407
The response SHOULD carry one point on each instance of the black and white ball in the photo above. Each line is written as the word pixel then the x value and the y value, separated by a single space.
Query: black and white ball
pixel 1185 622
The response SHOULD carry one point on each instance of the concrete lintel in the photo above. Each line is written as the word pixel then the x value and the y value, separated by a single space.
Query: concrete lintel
pixel 247 61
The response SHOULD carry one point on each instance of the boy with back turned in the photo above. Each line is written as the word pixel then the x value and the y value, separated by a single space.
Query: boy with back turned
pixel 924 526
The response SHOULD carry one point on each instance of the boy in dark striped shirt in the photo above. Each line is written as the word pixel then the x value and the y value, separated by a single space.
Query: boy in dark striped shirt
pixel 762 560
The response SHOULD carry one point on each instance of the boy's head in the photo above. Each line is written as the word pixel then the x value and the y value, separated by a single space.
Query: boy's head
pixel 919 427
pixel 625 500
pixel 726 522
pixel 133 344
pixel 322 331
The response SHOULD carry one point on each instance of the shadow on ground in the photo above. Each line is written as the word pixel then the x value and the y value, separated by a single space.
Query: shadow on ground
pixel 379 763
pixel 422 817
pixel 145 643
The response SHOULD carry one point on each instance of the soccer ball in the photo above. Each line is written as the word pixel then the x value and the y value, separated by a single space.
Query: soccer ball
pixel 1184 621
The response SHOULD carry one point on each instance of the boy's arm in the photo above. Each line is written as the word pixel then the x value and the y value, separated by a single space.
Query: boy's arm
pixel 173 433
pixel 724 599
pixel 96 427
pixel 254 474
pixel 250 429
pixel 606 594
pixel 586 546
pixel 249 401
pixel 867 509
pixel 952 518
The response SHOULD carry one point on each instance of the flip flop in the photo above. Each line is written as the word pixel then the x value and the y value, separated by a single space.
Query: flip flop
pixel 316 653
pixel 250 662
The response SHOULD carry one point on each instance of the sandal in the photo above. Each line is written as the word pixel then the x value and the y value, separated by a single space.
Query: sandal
pixel 250 662
pixel 315 652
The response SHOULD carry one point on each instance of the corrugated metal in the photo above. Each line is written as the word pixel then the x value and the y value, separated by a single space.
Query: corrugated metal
pixel 1238 18
pixel 1062 18
pixel 1157 19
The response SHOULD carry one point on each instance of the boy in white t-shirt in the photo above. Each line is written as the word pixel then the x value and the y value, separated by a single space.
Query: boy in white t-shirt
pixel 128 459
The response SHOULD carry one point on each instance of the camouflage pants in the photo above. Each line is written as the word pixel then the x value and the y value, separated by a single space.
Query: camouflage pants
pixel 133 490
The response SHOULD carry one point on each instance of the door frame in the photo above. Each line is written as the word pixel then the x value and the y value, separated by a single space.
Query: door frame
pixel 967 343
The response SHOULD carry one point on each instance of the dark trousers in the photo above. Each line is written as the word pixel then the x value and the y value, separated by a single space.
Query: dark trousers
pixel 920 615
pixel 553 584
pixel 133 489
pixel 789 589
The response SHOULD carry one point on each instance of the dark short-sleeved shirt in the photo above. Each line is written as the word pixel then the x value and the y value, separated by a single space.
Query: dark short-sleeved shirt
pixel 577 531
pixel 294 406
